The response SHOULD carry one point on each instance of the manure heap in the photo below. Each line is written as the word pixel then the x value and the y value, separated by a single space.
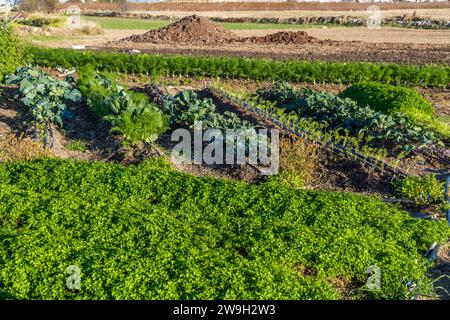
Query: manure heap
pixel 197 29
pixel 187 30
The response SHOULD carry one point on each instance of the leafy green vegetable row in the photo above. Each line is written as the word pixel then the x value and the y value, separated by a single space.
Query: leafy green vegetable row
pixel 189 108
pixel 130 114
pixel 148 232
pixel 46 98
pixel 257 69
pixel 385 122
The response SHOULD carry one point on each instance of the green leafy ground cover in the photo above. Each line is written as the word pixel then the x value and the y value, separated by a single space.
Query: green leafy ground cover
pixel 149 232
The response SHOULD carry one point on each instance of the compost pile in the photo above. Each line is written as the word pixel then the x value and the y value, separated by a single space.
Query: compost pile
pixel 197 29
pixel 283 37
pixel 190 29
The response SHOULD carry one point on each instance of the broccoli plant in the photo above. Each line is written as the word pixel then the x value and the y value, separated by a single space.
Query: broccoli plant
pixel 46 98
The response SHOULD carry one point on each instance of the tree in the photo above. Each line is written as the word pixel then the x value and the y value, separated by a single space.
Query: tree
pixel 38 5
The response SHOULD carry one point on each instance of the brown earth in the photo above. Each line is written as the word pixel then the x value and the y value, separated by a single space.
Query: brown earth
pixel 197 29
pixel 284 37
pixel 312 51
pixel 195 35
pixel 189 29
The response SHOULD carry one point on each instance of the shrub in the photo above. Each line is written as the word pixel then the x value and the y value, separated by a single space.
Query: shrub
pixel 38 5
pixel 392 100
pixel 422 190
pixel 40 22
pixel 91 30
pixel 388 99
pixel 148 232
pixel 11 52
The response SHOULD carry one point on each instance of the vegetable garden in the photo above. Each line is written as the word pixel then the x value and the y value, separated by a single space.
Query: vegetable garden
pixel 145 228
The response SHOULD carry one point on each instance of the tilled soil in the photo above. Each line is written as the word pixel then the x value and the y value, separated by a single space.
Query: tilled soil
pixel 284 37
pixel 343 51
pixel 197 35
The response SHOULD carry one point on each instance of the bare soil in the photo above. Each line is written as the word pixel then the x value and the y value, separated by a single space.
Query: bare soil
pixel 282 37
pixel 196 35
pixel 197 29
pixel 189 29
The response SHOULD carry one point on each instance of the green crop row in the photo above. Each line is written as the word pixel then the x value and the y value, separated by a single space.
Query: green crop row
pixel 149 232
pixel 256 69
pixel 46 98
pixel 130 114
pixel 386 116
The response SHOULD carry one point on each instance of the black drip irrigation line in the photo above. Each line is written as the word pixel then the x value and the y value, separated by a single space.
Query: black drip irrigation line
pixel 428 153
pixel 159 94
pixel 301 133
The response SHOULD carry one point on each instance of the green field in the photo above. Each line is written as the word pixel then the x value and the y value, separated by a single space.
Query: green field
pixel 148 24
pixel 149 232
pixel 114 220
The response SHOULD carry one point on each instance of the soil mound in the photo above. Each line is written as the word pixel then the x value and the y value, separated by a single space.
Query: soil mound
pixel 283 37
pixel 190 29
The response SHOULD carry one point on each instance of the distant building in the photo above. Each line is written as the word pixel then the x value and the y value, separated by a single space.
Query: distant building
pixel 5 7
